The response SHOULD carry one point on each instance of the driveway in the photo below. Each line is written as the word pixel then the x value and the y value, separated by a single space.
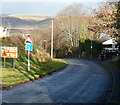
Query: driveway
pixel 82 81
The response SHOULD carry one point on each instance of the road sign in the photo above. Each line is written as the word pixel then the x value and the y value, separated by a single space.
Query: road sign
pixel 28 40
pixel 29 47
pixel 9 52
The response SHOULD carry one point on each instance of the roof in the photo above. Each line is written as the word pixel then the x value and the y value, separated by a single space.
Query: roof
pixel 103 35
pixel 110 41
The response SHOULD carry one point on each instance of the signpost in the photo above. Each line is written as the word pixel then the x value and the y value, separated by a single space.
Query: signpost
pixel 28 47
pixel 9 52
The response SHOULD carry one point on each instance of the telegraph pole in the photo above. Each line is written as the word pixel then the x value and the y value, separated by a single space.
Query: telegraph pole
pixel 52 40
pixel 8 29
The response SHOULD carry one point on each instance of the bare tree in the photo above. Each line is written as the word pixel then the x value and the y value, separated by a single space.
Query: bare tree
pixel 68 25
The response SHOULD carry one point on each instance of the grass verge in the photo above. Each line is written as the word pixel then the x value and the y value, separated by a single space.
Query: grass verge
pixel 12 76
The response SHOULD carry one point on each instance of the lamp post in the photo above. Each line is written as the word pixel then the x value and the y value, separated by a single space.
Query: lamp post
pixel 91 48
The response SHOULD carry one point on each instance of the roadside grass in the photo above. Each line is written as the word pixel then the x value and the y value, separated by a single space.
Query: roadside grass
pixel 20 74
pixel 40 63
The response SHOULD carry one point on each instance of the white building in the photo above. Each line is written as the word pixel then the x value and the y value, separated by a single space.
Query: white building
pixel 3 31
pixel 110 45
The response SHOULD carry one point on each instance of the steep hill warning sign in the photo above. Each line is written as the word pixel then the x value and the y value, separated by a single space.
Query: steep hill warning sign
pixel 28 40
pixel 8 52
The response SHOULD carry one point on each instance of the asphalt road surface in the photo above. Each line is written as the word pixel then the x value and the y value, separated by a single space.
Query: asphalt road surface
pixel 82 81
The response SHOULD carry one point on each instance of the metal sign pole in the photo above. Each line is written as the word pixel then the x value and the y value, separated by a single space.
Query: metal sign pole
pixel 4 62
pixel 13 62
pixel 28 60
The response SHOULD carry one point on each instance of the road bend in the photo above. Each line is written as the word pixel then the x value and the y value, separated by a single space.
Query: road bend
pixel 82 81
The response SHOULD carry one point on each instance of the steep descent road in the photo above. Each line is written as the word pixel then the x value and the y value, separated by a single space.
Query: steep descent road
pixel 82 81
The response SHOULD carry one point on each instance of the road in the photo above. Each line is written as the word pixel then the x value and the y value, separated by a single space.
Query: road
pixel 82 81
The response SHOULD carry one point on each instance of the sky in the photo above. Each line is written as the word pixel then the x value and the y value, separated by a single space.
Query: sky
pixel 32 7
pixel 38 7
pixel 53 0
pixel 41 6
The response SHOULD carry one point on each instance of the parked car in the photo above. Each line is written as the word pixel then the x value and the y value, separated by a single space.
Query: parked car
pixel 114 52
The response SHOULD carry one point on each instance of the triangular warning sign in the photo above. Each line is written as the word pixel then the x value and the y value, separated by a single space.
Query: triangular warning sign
pixel 28 40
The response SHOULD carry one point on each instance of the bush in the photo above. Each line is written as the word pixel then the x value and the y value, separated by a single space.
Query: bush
pixel 88 51
pixel 83 50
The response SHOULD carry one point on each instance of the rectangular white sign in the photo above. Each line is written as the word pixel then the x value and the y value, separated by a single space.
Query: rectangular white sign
pixel 9 52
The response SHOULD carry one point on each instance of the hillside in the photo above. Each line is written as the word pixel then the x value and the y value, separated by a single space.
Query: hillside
pixel 17 22
pixel 28 20
pixel 35 17
pixel 40 62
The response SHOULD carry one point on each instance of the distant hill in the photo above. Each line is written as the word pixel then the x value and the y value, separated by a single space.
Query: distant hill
pixel 35 17
pixel 18 21
pixel 15 22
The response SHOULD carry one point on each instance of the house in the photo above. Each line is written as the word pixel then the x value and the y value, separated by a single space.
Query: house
pixel 3 32
pixel 110 45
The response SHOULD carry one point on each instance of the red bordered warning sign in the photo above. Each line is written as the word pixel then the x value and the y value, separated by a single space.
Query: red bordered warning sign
pixel 28 40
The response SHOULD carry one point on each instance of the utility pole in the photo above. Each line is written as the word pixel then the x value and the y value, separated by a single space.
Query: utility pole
pixel 8 29
pixel 52 40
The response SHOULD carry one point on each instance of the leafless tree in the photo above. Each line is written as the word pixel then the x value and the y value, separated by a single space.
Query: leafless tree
pixel 68 26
